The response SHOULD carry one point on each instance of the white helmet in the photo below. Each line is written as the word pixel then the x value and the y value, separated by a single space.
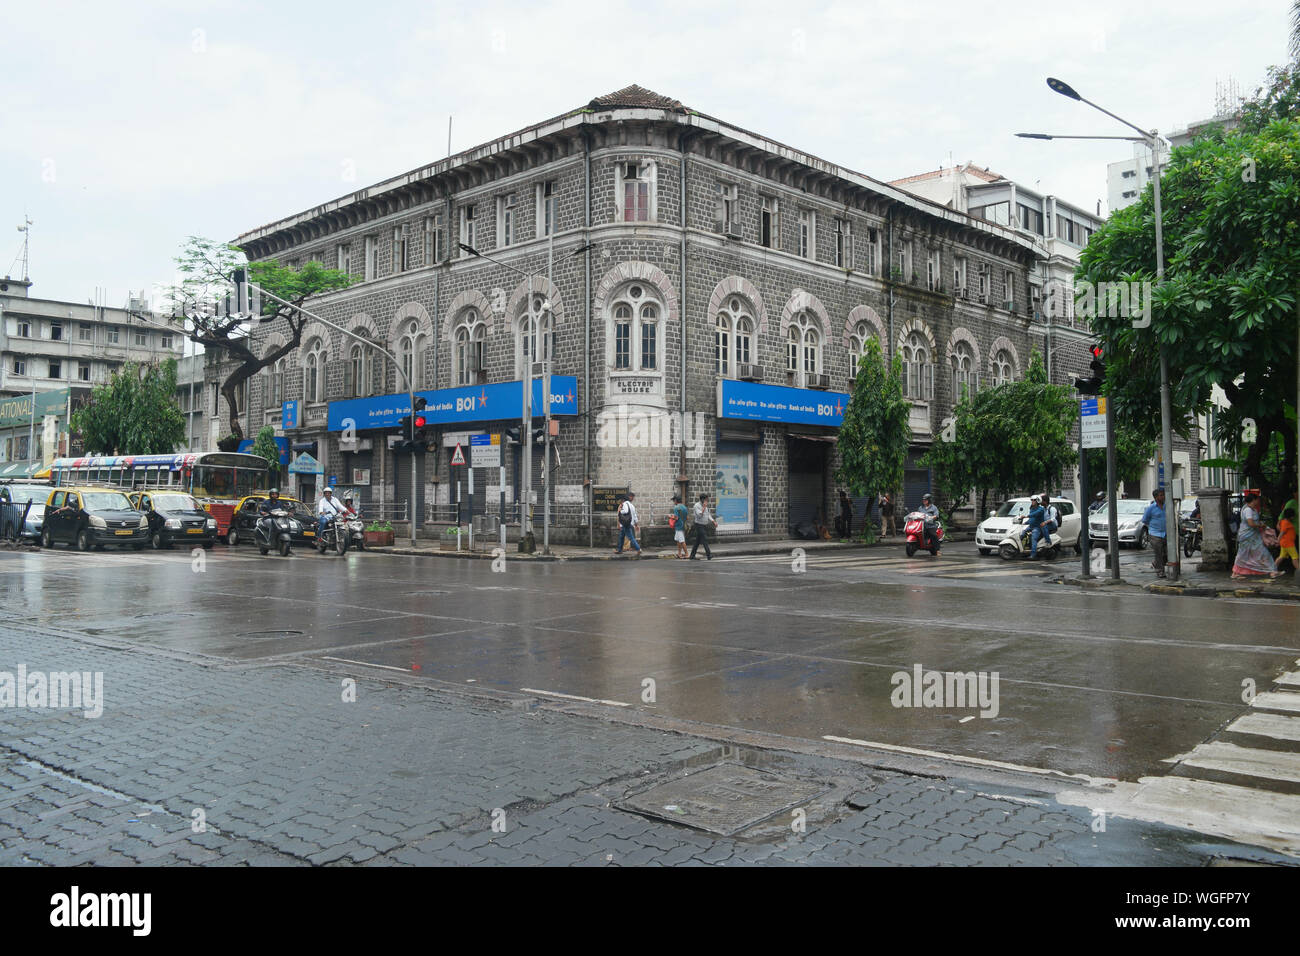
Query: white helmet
pixel 328 491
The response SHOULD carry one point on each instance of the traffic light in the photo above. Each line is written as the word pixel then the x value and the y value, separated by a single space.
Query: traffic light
pixel 1093 384
pixel 515 435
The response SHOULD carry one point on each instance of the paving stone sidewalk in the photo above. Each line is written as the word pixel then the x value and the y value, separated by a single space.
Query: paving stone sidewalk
pixel 196 761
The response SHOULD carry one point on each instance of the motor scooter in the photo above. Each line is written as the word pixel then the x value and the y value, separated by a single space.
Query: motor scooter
pixel 914 532
pixel 1017 544
pixel 280 534
pixel 356 532
pixel 1191 536
pixel 334 536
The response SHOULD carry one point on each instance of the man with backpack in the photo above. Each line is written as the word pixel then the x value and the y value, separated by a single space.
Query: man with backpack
pixel 628 524
pixel 1052 517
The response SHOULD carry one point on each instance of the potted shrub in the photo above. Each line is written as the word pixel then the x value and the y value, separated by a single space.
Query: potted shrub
pixel 451 539
pixel 229 443
pixel 379 534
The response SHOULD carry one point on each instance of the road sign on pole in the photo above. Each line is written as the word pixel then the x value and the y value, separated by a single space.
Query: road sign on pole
pixel 1092 422
pixel 485 451
pixel 458 456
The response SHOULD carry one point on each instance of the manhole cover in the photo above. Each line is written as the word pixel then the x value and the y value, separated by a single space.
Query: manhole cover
pixel 270 634
pixel 723 799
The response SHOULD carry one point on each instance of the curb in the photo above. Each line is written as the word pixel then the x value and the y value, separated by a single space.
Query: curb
pixel 1184 590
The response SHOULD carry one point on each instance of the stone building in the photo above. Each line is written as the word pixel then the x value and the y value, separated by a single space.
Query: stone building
pixel 701 293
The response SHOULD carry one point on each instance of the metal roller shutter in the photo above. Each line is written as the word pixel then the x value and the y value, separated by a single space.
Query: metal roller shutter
pixel 807 465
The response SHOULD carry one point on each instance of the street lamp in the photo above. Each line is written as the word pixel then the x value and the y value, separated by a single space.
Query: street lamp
pixel 1153 141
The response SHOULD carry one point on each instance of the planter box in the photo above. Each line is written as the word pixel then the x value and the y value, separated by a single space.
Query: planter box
pixel 380 539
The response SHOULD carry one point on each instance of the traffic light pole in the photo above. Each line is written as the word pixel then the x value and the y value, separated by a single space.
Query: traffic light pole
pixel 410 392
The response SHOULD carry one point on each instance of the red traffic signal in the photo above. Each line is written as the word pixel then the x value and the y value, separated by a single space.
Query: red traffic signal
pixel 420 421
pixel 1097 352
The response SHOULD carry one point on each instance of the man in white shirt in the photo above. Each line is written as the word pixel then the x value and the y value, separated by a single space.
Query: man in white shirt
pixel 704 520
pixel 628 524
pixel 326 507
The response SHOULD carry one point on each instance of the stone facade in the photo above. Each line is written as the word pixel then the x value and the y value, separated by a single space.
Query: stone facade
pixel 639 193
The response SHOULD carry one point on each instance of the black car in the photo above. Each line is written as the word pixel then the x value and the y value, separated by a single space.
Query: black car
pixel 175 516
pixel 302 527
pixel 92 517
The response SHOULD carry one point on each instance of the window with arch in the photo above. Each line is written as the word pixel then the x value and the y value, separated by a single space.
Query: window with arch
pixel 358 370
pixel 635 315
pixel 918 370
pixel 733 334
pixel 410 352
pixel 534 333
pixel 858 346
pixel 1003 369
pixel 313 379
pixel 274 391
pixel 469 335
pixel 965 377
pixel 803 353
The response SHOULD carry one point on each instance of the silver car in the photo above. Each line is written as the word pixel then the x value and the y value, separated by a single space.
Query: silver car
pixel 20 494
pixel 1129 512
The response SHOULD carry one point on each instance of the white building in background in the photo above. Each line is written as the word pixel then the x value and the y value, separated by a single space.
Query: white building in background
pixel 1126 179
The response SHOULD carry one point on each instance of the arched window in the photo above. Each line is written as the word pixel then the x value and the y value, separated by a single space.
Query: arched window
pixel 359 370
pixel 803 353
pixel 469 335
pixel 274 390
pixel 733 334
pixel 858 346
pixel 1003 369
pixel 918 371
pixel 965 378
pixel 534 333
pixel 313 382
pixel 635 334
pixel 410 352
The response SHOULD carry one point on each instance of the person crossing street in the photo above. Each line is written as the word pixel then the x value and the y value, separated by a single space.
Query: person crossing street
pixel 703 522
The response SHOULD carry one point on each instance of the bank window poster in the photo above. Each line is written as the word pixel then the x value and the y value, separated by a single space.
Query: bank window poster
pixel 732 488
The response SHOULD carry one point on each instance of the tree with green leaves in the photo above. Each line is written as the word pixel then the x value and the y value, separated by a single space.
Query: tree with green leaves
pixel 264 445
pixel 1134 449
pixel 1012 437
pixel 206 267
pixel 874 437
pixel 1226 313
pixel 135 412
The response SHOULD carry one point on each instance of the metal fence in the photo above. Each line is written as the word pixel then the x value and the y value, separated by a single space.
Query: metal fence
pixel 13 517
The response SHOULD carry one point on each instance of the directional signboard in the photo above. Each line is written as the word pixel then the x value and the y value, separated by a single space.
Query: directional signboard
pixel 1092 422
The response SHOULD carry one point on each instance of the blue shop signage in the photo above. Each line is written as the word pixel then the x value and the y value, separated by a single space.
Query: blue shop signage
pixel 780 403
pixel 450 406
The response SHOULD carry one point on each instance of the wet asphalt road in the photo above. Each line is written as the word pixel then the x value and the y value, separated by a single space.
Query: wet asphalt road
pixel 1100 683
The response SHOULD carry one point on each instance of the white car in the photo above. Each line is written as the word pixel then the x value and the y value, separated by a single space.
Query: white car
pixel 1129 512
pixel 999 523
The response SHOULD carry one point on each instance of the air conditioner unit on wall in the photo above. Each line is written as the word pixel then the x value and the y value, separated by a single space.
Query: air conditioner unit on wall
pixel 819 381
pixel 749 373
pixel 1009 305
pixel 541 368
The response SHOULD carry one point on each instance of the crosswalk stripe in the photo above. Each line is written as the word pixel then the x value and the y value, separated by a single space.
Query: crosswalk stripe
pixel 1277 700
pixel 1289 679
pixel 1229 758
pixel 1267 725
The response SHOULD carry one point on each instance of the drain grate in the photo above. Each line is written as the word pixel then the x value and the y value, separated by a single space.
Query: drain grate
pixel 724 799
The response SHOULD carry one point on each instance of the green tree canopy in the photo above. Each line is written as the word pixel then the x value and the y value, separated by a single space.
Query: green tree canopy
pixel 206 267
pixel 265 446
pixel 134 413
pixel 874 437
pixel 1226 313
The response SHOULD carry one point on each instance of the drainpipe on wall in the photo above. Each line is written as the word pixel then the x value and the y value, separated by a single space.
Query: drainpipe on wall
pixel 889 280
pixel 586 352
pixel 681 458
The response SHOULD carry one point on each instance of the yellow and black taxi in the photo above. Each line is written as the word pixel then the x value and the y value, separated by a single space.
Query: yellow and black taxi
pixel 174 516
pixel 92 517
pixel 302 526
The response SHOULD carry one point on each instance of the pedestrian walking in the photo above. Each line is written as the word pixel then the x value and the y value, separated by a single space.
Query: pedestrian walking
pixel 886 505
pixel 1286 540
pixel 628 524
pixel 845 521
pixel 1153 519
pixel 677 521
pixel 703 522
pixel 1253 559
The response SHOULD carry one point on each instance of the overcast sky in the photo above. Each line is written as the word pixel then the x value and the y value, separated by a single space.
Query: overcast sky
pixel 128 127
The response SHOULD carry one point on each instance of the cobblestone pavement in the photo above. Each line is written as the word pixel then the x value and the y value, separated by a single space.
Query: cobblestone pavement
pixel 196 761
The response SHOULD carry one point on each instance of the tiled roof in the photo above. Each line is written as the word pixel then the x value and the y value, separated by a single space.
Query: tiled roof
pixel 636 97
pixel 984 174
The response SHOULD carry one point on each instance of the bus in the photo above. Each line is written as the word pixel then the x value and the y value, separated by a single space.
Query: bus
pixel 217 479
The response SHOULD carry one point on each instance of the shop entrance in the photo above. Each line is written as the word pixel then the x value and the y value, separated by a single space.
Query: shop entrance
pixel 807 494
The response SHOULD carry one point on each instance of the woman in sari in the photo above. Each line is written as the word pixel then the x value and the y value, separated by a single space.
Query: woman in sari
pixel 1253 559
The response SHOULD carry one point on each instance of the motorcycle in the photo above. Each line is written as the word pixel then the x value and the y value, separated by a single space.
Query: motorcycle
pixel 914 532
pixel 280 537
pixel 1191 536
pixel 356 532
pixel 334 536
pixel 1017 544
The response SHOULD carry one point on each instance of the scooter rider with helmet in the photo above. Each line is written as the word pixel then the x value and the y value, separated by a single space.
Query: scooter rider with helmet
pixel 272 503
pixel 931 518
pixel 326 508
